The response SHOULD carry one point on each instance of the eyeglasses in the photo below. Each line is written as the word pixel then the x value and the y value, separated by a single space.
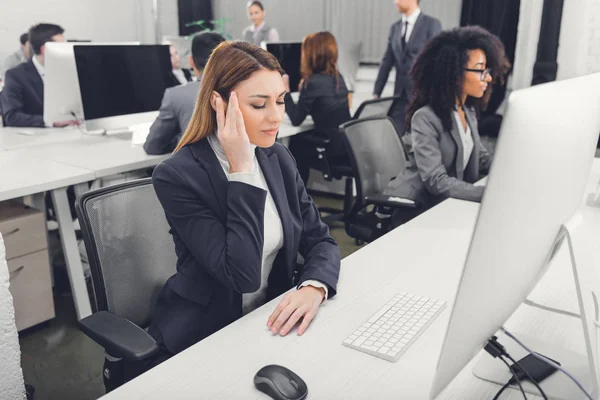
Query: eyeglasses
pixel 483 72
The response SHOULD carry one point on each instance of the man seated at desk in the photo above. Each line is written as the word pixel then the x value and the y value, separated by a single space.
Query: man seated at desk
pixel 178 102
pixel 180 76
pixel 23 95
pixel 18 57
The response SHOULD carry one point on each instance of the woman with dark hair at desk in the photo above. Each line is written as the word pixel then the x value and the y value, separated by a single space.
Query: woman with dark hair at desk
pixel 324 96
pixel 238 211
pixel 451 79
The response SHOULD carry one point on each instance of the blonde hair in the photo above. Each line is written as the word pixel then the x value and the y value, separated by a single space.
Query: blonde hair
pixel 230 64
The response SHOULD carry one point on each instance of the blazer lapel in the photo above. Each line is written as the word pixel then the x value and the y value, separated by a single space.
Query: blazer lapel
pixel 473 165
pixel 269 164
pixel 455 132
pixel 419 26
pixel 38 83
pixel 204 153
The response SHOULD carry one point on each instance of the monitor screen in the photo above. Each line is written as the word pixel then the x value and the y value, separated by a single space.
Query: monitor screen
pixel 121 80
pixel 288 55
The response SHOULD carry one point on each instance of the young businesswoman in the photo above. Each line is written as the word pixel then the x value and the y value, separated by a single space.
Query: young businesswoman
pixel 259 31
pixel 323 95
pixel 451 79
pixel 238 211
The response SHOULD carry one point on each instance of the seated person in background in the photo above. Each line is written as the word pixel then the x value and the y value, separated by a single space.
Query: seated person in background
pixel 180 76
pixel 259 31
pixel 18 57
pixel 238 211
pixel 23 95
pixel 323 94
pixel 451 77
pixel 178 102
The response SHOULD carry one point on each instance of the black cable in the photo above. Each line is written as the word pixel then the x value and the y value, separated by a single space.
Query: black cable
pixel 497 396
pixel 514 374
pixel 528 376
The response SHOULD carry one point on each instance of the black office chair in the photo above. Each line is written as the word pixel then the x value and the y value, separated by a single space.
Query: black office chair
pixel 330 155
pixel 377 155
pixel 131 256
pixel 375 108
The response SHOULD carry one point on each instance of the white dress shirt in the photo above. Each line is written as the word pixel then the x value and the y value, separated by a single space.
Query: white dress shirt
pixel 178 73
pixel 412 19
pixel 466 138
pixel 273 230
pixel 39 67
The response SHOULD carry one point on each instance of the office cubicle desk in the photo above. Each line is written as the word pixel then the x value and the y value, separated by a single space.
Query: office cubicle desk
pixel 424 256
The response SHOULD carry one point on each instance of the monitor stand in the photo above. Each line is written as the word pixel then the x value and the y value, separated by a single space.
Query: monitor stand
pixel 584 367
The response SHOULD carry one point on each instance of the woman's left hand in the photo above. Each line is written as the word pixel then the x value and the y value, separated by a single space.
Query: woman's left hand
pixel 302 303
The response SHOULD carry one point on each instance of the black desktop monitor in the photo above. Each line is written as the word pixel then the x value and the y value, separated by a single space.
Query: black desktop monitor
pixel 288 55
pixel 122 80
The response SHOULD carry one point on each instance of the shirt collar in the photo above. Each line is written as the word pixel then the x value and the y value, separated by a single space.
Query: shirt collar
pixel 38 66
pixel 258 28
pixel 413 17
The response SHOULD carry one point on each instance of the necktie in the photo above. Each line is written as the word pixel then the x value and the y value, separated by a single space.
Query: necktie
pixel 404 34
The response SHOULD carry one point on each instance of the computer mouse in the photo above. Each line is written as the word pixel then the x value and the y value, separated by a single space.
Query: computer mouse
pixel 280 383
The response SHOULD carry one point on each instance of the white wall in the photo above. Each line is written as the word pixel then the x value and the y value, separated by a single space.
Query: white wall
pixel 101 20
pixel 11 376
pixel 579 46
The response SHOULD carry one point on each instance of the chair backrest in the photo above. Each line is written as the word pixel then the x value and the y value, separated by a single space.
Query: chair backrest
pixel 130 250
pixel 376 153
pixel 327 121
pixel 375 108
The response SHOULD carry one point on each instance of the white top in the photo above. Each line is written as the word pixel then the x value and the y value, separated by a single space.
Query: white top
pixel 466 138
pixel 273 230
pixel 39 67
pixel 412 19
pixel 180 76
pixel 273 34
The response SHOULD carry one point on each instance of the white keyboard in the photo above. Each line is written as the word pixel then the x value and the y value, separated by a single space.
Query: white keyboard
pixel 391 331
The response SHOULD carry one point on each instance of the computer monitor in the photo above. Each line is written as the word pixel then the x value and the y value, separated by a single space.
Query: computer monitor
pixel 288 54
pixel 122 85
pixel 540 171
pixel 62 98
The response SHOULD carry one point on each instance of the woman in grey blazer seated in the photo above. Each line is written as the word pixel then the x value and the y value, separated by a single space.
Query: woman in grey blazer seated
pixel 259 31
pixel 451 79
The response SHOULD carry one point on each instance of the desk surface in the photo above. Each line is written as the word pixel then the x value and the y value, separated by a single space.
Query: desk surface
pixel 12 138
pixel 22 175
pixel 223 365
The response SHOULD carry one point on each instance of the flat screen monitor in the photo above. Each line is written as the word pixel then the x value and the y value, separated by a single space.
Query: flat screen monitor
pixel 288 55
pixel 122 85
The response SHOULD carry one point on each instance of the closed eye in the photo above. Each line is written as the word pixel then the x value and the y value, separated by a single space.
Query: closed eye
pixel 259 107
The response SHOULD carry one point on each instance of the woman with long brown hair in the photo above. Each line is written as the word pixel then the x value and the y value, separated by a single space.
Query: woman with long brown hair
pixel 324 96
pixel 238 211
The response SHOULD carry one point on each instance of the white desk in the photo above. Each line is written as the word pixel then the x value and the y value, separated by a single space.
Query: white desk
pixel 425 257
pixel 11 138
pixel 286 129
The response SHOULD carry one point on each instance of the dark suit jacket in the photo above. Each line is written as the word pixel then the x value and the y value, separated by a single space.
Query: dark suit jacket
pixel 23 97
pixel 403 59
pixel 217 227
pixel 437 171
pixel 325 98
pixel 173 118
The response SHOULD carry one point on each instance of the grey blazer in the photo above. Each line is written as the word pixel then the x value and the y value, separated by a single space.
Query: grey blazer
pixel 437 171
pixel 174 116
pixel 403 58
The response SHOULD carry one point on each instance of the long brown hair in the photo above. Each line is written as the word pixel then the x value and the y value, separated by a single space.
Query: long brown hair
pixel 319 55
pixel 230 64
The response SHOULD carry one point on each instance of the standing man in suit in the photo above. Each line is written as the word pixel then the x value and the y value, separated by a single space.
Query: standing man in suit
pixel 178 102
pixel 23 95
pixel 18 57
pixel 407 37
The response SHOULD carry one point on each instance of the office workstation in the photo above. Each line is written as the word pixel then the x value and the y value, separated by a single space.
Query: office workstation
pixel 359 249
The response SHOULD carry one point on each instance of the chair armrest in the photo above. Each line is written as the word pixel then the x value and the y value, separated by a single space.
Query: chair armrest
pixel 318 140
pixel 390 201
pixel 120 337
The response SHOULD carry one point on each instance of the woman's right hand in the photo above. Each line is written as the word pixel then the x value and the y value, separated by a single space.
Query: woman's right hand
pixel 232 135
pixel 286 82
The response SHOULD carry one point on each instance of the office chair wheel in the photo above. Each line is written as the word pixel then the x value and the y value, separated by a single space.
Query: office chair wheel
pixel 358 242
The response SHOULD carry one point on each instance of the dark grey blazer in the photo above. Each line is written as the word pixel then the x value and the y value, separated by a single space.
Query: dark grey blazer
pixel 174 116
pixel 403 59
pixel 437 171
